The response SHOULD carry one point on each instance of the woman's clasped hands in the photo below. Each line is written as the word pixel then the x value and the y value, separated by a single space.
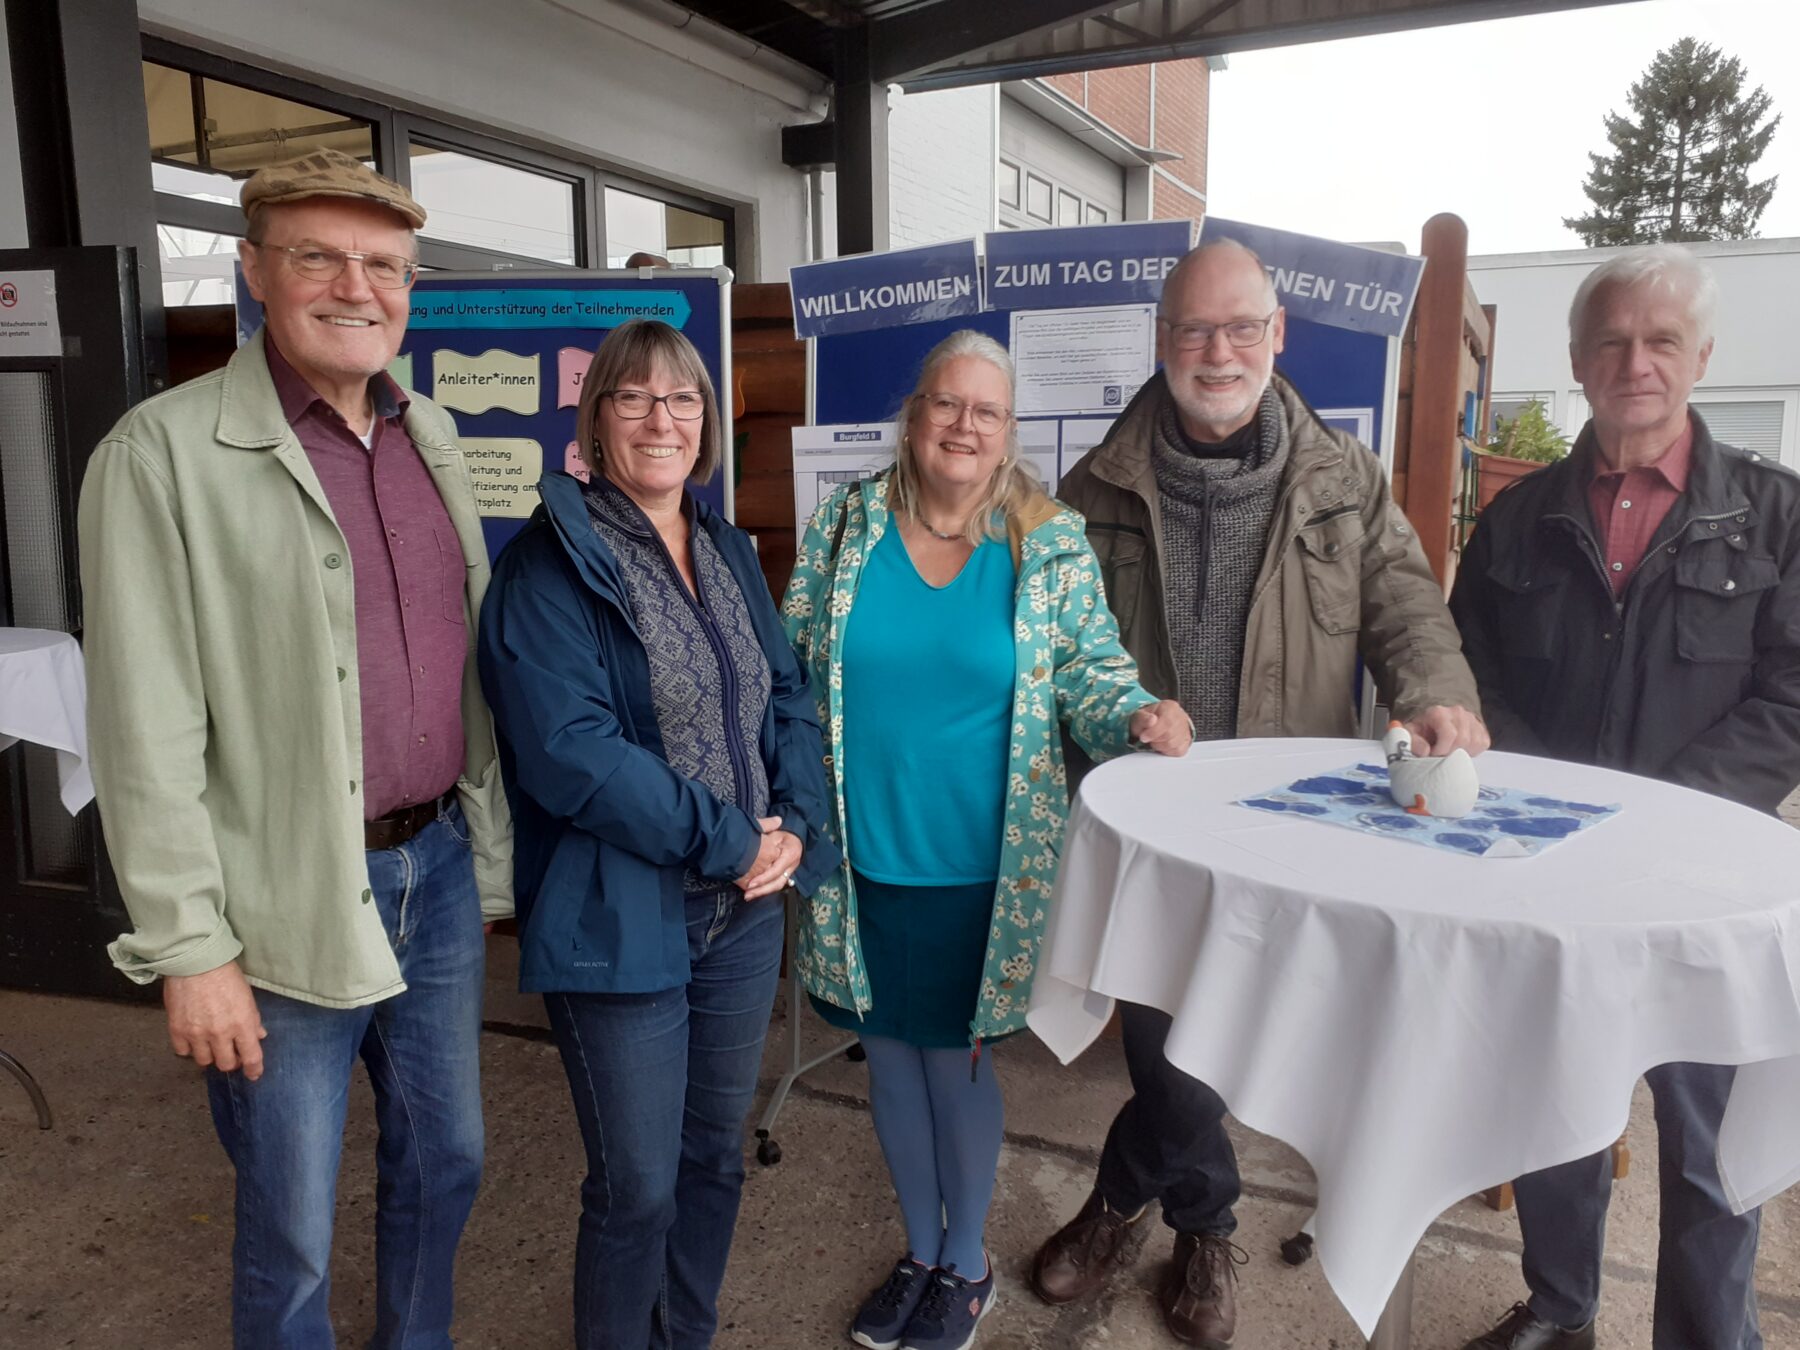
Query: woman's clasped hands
pixel 776 858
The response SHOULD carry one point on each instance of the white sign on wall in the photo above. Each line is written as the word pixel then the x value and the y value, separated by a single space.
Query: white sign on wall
pixel 28 322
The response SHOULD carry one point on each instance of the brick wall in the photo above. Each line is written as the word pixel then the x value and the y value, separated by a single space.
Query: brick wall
pixel 940 165
pixel 1169 202
pixel 1181 104
pixel 1122 98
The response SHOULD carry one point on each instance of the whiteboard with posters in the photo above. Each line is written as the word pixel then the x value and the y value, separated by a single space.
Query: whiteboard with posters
pixel 1076 308
pixel 504 353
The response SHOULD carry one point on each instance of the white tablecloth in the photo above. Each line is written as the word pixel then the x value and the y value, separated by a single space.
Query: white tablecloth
pixel 1423 1024
pixel 43 699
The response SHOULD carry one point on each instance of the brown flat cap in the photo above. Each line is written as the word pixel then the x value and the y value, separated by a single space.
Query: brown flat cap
pixel 328 173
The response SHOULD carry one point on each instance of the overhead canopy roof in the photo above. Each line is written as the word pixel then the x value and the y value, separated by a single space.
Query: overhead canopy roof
pixel 934 44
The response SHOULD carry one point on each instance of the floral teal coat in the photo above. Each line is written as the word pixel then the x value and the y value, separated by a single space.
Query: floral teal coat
pixel 1071 672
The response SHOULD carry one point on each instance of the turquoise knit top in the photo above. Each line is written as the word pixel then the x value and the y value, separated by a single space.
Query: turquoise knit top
pixel 928 689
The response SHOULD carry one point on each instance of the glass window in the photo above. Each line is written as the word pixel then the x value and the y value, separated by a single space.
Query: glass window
pixel 1510 406
pixel 1096 215
pixel 1007 181
pixel 1747 425
pixel 493 206
pixel 196 266
pixel 486 200
pixel 207 136
pixel 1068 208
pixel 639 224
pixel 1037 196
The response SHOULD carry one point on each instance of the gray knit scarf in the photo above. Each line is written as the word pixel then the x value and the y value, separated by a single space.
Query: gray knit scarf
pixel 1215 523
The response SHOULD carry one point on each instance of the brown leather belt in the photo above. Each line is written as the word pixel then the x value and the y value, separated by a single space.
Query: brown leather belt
pixel 397 827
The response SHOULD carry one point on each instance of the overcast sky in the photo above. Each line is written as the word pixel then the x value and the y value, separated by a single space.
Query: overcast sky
pixel 1366 139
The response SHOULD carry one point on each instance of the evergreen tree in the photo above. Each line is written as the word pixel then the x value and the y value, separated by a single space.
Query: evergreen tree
pixel 1680 164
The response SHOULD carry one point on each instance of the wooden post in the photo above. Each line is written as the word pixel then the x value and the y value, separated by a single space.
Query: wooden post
pixel 768 365
pixel 1436 405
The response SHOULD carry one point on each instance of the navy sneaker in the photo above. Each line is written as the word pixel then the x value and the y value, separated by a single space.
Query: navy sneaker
pixel 950 1311
pixel 882 1319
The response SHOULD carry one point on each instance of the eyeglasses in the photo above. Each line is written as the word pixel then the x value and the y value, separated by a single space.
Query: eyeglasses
pixel 634 405
pixel 315 262
pixel 946 410
pixel 1191 337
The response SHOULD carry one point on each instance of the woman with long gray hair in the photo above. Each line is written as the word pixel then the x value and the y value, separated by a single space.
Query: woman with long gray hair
pixel 951 617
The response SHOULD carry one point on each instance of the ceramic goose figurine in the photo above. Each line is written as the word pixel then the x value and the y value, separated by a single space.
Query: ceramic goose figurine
pixel 1442 786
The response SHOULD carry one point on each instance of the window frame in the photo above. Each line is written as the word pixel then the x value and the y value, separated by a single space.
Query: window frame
pixel 1522 398
pixel 1018 176
pixel 395 128
pixel 698 206
pixel 473 145
pixel 1788 395
pixel 226 218
pixel 167 281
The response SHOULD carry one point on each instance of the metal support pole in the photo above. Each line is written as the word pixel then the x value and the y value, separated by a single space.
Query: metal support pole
pixel 32 1090
pixel 768 1151
pixel 860 113
pixel 1394 1330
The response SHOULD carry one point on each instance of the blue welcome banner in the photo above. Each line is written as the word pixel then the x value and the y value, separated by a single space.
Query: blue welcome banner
pixel 883 290
pixel 1344 285
pixel 525 308
pixel 1083 265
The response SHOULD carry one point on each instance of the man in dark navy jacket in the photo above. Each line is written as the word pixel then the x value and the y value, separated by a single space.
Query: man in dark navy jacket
pixel 1637 606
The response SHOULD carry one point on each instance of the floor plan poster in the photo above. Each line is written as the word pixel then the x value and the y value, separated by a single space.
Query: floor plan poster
pixel 505 354
pixel 827 456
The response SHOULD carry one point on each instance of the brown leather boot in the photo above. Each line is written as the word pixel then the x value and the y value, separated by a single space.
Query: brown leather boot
pixel 1199 1296
pixel 1088 1251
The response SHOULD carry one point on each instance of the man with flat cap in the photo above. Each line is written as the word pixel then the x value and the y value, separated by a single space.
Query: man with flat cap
pixel 281 563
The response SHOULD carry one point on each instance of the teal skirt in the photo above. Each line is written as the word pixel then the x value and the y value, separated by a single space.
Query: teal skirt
pixel 924 948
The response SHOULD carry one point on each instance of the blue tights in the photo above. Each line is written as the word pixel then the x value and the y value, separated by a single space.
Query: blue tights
pixel 941 1136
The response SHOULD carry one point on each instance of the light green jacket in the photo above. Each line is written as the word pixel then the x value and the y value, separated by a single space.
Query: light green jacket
pixel 224 720
pixel 1070 671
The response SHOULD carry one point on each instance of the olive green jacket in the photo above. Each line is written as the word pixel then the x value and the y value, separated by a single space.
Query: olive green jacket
pixel 1342 576
pixel 224 718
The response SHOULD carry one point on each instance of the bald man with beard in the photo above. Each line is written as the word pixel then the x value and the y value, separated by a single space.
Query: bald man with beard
pixel 1251 555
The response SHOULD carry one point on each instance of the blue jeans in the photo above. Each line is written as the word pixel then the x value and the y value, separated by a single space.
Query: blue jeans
pixel 1705 1255
pixel 662 1084
pixel 285 1132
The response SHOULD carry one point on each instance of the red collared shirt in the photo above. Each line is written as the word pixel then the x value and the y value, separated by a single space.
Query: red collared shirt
pixel 1628 505
pixel 411 637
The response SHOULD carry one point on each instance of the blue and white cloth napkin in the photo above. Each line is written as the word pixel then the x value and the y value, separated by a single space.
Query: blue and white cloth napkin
pixel 1506 822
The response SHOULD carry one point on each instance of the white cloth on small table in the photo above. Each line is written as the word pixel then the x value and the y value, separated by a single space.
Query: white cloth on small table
pixel 43 699
pixel 1422 1024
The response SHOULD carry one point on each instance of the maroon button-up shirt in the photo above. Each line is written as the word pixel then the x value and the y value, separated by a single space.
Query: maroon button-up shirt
pixel 1628 505
pixel 411 635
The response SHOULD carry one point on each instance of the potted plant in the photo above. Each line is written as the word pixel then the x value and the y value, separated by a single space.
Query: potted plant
pixel 1520 445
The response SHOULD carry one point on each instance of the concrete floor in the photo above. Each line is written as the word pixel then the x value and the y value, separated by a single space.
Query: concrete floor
pixel 115 1227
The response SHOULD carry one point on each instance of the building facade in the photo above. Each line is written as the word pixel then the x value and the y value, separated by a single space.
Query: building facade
pixel 1751 393
pixel 604 127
